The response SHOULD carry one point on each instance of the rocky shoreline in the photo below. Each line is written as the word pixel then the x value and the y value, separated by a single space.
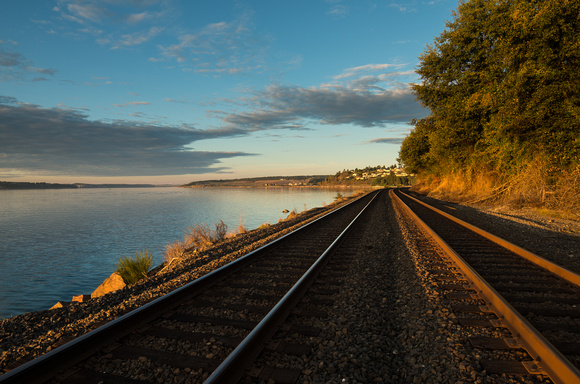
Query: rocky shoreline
pixel 397 328
pixel 26 336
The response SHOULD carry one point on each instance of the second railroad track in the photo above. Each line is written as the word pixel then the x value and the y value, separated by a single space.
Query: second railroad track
pixel 498 284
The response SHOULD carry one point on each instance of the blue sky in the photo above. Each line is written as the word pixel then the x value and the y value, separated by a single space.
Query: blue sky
pixel 167 91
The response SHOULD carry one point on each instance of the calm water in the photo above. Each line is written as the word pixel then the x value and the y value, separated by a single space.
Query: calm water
pixel 58 243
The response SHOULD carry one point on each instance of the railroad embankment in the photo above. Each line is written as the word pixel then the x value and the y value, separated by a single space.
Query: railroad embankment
pixel 26 336
pixel 385 301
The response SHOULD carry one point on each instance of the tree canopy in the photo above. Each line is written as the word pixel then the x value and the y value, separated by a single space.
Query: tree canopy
pixel 502 83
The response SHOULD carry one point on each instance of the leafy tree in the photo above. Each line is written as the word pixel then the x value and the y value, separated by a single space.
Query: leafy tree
pixel 502 83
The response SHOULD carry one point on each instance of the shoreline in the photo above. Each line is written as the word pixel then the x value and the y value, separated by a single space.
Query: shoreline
pixel 31 334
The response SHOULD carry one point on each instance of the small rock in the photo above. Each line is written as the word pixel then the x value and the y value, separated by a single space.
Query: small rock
pixel 60 304
pixel 81 298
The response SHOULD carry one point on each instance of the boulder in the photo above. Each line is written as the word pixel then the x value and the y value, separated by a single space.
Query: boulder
pixel 111 284
pixel 81 298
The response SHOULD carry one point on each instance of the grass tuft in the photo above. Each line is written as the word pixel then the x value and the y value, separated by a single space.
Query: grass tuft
pixel 133 270
pixel 200 236
pixel 174 250
pixel 242 227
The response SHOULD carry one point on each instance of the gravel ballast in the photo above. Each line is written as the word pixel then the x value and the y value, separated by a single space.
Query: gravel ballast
pixel 389 322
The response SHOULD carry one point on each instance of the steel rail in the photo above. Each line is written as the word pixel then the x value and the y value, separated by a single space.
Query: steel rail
pixel 538 260
pixel 232 368
pixel 545 355
pixel 44 367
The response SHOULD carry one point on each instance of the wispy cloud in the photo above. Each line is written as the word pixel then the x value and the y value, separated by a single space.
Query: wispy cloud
pixel 386 140
pixel 405 7
pixel 356 71
pixel 137 38
pixel 338 11
pixel 226 47
pixel 116 16
pixel 65 142
pixel 16 67
pixel 97 11
pixel 132 103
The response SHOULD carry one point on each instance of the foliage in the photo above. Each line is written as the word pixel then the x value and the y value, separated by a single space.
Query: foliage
pixel 133 270
pixel 502 83
pixel 393 180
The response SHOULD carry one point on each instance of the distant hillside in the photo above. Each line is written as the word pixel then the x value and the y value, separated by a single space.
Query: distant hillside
pixel 19 185
pixel 259 182
pixel 22 185
pixel 374 176
pixel 369 176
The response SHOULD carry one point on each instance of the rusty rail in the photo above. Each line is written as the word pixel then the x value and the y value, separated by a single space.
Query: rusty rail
pixel 538 260
pixel 545 355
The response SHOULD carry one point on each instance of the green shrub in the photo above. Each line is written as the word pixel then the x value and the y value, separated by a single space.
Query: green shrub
pixel 133 270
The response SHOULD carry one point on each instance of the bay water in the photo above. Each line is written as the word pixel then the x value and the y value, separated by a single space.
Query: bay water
pixel 58 243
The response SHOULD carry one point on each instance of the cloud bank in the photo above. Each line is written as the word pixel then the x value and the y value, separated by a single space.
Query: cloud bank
pixel 370 97
pixel 64 142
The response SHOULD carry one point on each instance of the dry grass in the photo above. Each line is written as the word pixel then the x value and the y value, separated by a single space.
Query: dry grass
pixel 201 236
pixel 558 214
pixel 196 238
pixel 174 250
pixel 537 185
pixel 242 227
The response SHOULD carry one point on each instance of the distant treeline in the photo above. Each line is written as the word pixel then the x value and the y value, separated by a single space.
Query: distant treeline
pixel 21 185
pixel 42 185
pixel 369 176
pixel 266 180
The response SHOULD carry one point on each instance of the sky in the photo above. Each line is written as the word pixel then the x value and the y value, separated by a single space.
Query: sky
pixel 169 92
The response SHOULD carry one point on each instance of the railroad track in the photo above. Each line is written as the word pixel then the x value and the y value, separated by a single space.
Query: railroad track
pixel 212 329
pixel 534 303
